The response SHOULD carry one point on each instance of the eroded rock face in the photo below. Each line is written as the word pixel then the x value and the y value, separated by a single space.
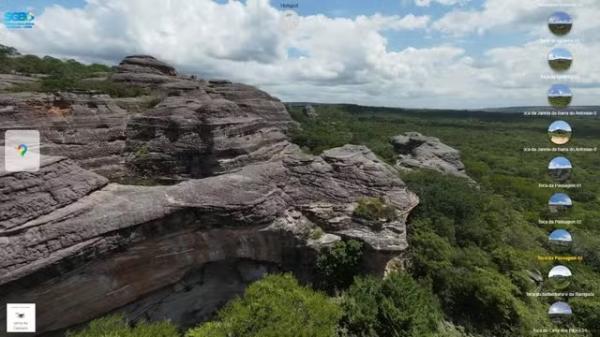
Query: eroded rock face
pixel 144 70
pixel 418 151
pixel 88 128
pixel 208 131
pixel 120 246
pixel 192 128
pixel 28 195
pixel 245 202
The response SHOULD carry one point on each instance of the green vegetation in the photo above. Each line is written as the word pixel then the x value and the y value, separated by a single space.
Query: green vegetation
pixel 60 75
pixel 117 326
pixel 11 61
pixel 316 233
pixel 374 209
pixel 338 265
pixel 560 64
pixel 396 306
pixel 560 101
pixel 560 29
pixel 477 246
pixel 473 249
pixel 476 252
pixel 276 306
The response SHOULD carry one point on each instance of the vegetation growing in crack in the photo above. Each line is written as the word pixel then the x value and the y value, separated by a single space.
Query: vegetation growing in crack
pixel 375 209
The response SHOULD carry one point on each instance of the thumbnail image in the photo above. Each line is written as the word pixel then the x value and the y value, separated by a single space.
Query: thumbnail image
pixel 560 168
pixel 560 312
pixel 560 240
pixel 559 278
pixel 560 132
pixel 560 59
pixel 560 95
pixel 560 23
pixel 560 202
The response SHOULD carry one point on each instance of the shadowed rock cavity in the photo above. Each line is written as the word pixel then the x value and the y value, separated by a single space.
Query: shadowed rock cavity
pixel 245 202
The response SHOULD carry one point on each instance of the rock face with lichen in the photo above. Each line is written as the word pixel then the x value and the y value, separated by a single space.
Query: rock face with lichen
pixel 242 201
pixel 416 151
pixel 210 130
pixel 88 128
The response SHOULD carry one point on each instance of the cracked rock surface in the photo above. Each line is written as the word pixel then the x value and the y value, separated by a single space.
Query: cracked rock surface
pixel 417 151
pixel 242 202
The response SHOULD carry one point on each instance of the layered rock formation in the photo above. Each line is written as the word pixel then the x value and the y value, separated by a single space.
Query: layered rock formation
pixel 417 151
pixel 145 249
pixel 8 81
pixel 211 130
pixel 193 128
pixel 88 128
pixel 245 202
pixel 145 70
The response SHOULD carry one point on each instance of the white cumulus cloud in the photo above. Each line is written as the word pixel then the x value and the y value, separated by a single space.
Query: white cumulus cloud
pixel 316 57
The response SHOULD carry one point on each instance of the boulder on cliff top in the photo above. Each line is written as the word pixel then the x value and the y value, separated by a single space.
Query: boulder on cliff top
pixel 145 64
pixel 417 151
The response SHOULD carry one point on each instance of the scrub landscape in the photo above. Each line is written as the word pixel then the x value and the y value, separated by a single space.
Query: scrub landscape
pixel 185 207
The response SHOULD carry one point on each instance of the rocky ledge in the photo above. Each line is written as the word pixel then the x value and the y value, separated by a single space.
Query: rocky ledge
pixel 244 201
pixel 182 128
pixel 162 252
pixel 416 151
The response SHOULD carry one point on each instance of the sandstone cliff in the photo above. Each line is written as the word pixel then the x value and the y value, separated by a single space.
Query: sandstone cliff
pixel 416 151
pixel 242 201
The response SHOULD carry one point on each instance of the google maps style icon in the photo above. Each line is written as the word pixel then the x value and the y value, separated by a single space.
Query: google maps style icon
pixel 21 151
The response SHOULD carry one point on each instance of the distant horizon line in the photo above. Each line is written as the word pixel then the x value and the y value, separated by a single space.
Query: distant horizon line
pixel 488 109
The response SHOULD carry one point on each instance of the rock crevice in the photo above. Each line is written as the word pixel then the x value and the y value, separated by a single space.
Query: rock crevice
pixel 242 201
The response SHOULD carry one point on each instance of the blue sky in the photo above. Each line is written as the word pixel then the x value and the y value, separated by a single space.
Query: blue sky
pixel 561 235
pixel 560 17
pixel 560 199
pixel 560 163
pixel 38 5
pixel 343 9
pixel 559 90
pixel 560 53
pixel 407 53
pixel 560 125
pixel 560 308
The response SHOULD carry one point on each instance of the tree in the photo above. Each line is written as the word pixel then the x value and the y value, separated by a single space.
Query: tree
pixel 338 265
pixel 117 326
pixel 396 306
pixel 276 306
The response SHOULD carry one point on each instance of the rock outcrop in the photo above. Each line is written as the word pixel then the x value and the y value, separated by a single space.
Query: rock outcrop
pixel 243 201
pixel 145 250
pixel 211 130
pixel 186 128
pixel 417 151
pixel 144 70
pixel 88 128
pixel 8 81
pixel 28 195
pixel 309 111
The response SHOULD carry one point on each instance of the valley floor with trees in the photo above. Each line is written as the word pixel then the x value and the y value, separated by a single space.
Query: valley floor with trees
pixel 473 248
